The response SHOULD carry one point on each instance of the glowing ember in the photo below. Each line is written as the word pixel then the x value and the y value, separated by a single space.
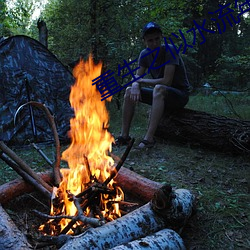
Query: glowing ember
pixel 88 155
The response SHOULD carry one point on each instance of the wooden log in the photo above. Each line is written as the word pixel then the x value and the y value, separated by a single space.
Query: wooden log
pixel 18 187
pixel 136 224
pixel 150 218
pixel 10 237
pixel 163 239
pixel 136 185
pixel 131 182
pixel 212 131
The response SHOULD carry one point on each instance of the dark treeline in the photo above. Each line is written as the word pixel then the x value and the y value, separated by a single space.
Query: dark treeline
pixel 111 30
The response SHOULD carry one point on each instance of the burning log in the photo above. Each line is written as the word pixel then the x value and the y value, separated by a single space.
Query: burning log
pixel 165 210
pixel 10 237
pixel 216 132
pixel 163 239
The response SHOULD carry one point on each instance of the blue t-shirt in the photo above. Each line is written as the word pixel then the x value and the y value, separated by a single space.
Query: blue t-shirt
pixel 166 55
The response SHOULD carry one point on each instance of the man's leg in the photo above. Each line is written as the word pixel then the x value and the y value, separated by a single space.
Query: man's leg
pixel 156 112
pixel 128 110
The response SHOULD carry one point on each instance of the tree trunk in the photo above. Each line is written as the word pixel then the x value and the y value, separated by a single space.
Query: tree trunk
pixel 212 131
pixel 10 237
pixel 43 32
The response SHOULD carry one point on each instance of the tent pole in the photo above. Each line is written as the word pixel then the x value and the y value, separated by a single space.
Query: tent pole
pixel 33 125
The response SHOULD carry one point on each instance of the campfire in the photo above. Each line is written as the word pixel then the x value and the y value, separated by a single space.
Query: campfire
pixel 87 188
pixel 87 198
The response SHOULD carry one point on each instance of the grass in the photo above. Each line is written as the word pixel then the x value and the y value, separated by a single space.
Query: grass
pixel 219 180
pixel 234 106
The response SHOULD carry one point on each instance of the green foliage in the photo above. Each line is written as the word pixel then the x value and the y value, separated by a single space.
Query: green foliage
pixel 111 30
pixel 4 24
pixel 20 16
pixel 232 72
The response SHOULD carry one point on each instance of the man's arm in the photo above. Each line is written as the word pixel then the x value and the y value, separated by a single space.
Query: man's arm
pixel 166 80
pixel 135 93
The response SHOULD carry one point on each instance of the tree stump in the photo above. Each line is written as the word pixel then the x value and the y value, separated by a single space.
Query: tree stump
pixel 212 131
pixel 43 32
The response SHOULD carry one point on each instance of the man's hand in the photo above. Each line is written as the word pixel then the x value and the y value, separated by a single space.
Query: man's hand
pixel 135 93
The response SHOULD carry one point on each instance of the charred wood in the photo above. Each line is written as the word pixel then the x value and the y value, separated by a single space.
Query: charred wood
pixel 120 163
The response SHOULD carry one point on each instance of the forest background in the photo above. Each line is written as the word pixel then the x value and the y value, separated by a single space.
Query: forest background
pixel 111 30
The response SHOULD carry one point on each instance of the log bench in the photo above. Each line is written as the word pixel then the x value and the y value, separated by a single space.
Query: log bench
pixel 211 131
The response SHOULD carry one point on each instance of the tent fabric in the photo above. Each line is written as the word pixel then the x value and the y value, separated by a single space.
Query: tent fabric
pixel 30 72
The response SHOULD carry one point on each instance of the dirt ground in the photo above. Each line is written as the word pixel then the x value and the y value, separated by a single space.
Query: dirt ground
pixel 220 182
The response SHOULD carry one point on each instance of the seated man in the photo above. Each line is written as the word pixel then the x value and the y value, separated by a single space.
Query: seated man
pixel 168 90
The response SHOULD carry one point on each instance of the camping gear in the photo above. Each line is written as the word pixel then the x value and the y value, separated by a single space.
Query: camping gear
pixel 30 72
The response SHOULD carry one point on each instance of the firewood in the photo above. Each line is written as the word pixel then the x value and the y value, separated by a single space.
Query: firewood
pixel 132 183
pixel 18 187
pixel 150 218
pixel 23 165
pixel 176 207
pixel 138 223
pixel 10 237
pixel 120 163
pixel 26 176
pixel 161 240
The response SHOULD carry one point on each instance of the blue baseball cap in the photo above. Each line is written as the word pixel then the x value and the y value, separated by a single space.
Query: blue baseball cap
pixel 150 26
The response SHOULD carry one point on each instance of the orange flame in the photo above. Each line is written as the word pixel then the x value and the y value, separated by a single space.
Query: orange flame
pixel 90 138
